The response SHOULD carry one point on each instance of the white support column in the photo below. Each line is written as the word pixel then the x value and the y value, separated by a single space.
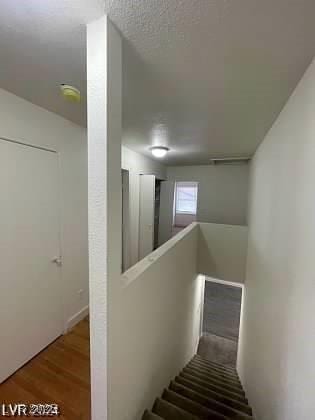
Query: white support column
pixel 104 160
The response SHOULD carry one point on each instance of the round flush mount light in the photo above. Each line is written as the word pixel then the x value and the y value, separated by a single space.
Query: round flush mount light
pixel 159 151
pixel 70 93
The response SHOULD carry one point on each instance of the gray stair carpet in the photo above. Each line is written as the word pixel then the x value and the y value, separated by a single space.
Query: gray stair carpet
pixel 148 415
pixel 202 390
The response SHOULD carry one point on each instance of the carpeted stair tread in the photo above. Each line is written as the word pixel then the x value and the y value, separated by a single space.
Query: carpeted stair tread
pixel 212 364
pixel 203 390
pixel 214 387
pixel 214 395
pixel 227 368
pixel 212 404
pixel 191 406
pixel 217 367
pixel 213 371
pixel 215 375
pixel 148 415
pixel 215 380
pixel 232 375
pixel 170 411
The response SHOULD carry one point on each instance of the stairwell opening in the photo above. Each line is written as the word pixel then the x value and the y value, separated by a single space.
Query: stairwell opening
pixel 221 321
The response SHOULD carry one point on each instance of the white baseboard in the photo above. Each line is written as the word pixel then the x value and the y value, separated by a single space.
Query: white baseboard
pixel 76 318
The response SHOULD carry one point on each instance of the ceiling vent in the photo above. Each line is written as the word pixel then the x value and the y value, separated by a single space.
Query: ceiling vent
pixel 230 160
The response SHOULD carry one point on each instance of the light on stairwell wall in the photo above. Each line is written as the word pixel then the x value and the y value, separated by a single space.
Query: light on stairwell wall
pixel 159 151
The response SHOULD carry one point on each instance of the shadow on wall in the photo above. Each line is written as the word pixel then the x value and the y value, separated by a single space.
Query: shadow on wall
pixel 207 262
pixel 219 244
pixel 268 333
pixel 155 324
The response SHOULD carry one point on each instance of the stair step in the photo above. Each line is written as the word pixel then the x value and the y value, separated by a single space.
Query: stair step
pixel 215 380
pixel 212 404
pixel 210 363
pixel 228 368
pixel 215 374
pixel 191 406
pixel 169 411
pixel 213 371
pixel 148 415
pixel 215 388
pixel 214 395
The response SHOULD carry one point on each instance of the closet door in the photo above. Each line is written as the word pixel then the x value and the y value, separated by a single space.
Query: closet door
pixel 30 255
pixel 146 215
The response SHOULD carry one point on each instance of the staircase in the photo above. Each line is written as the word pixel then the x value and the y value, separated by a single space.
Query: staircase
pixel 203 390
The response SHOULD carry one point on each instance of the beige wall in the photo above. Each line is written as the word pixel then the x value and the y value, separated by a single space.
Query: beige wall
pixel 157 324
pixel 222 251
pixel 22 121
pixel 277 346
pixel 156 315
pixel 104 72
pixel 146 322
pixel 222 191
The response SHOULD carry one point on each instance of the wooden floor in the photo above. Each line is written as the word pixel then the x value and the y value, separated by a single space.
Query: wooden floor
pixel 59 374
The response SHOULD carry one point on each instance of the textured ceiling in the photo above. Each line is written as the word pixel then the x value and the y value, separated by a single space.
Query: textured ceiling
pixel 204 77
pixel 42 44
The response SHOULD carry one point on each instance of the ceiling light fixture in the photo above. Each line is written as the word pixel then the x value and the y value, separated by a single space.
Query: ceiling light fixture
pixel 159 151
pixel 70 93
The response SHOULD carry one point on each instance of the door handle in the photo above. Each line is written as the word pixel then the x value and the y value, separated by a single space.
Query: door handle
pixel 57 261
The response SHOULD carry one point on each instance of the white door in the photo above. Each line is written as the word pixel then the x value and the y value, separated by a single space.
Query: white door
pixel 166 211
pixel 30 282
pixel 146 215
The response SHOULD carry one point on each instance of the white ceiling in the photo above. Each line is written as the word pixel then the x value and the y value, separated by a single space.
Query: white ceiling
pixel 204 77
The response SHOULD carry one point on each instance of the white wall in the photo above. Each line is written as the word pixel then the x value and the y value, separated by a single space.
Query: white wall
pixel 277 346
pixel 222 191
pixel 182 220
pixel 104 79
pixel 222 251
pixel 155 314
pixel 115 329
pixel 157 325
pixel 28 123
pixel 138 164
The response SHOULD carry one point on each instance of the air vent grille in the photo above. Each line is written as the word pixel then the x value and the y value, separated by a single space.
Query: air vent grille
pixel 243 160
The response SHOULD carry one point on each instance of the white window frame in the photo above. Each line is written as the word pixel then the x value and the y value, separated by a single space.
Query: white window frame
pixel 179 185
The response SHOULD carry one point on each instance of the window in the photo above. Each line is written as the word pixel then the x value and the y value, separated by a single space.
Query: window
pixel 186 197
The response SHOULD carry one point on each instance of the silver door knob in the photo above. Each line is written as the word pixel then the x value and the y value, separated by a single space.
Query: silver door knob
pixel 57 260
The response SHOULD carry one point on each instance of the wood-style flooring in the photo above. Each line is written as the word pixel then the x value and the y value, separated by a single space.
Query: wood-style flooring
pixel 60 374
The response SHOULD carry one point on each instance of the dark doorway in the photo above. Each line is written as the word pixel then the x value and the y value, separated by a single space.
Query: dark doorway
pixel 157 213
pixel 221 320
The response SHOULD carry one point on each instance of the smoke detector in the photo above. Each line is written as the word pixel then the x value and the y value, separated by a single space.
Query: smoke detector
pixel 70 93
